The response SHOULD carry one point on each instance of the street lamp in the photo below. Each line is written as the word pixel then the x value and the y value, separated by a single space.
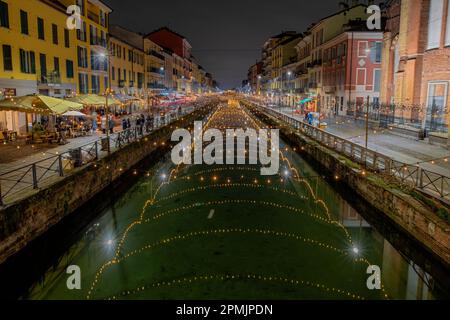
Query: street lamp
pixel 108 91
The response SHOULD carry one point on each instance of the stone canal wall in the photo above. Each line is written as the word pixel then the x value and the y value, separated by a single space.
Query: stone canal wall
pixel 25 220
pixel 410 211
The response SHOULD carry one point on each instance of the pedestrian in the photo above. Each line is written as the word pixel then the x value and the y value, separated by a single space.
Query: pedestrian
pixel 128 123
pixel 124 124
pixel 104 124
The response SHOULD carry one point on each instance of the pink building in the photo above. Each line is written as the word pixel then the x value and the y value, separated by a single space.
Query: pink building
pixel 351 71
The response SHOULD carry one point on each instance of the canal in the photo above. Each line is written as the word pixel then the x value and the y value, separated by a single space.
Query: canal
pixel 226 232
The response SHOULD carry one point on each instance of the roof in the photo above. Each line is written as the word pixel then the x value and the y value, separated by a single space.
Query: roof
pixel 295 37
pixel 343 10
pixel 166 29
pixel 124 35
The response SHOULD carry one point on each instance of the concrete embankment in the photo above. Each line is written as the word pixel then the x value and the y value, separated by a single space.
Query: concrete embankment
pixel 412 212
pixel 28 218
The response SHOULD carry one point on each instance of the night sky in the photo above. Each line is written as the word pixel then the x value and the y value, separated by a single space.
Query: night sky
pixel 226 36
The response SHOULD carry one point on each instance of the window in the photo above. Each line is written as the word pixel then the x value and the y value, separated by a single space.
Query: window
pixel 40 26
pixel 118 74
pixel 83 82
pixel 56 64
pixel 125 75
pixel 435 23
pixel 81 33
pixel 66 38
pixel 377 80
pixel 23 22
pixel 55 33
pixel 43 63
pixel 447 32
pixel 360 77
pixel 375 52
pixel 4 15
pixel 362 49
pixel 82 57
pixel 7 58
pixel 436 107
pixel 27 61
pixel 95 84
pixel 80 3
pixel 69 69
pixel 113 73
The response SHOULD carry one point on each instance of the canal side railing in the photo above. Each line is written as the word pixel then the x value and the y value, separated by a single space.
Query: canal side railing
pixel 42 173
pixel 411 175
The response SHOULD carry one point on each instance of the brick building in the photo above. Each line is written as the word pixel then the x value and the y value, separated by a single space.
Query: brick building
pixel 416 69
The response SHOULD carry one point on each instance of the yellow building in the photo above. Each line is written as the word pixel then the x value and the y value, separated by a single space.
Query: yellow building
pixel 127 62
pixel 91 46
pixel 155 66
pixel 37 54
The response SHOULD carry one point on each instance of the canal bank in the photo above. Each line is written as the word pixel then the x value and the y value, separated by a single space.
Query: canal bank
pixel 28 218
pixel 226 232
pixel 413 213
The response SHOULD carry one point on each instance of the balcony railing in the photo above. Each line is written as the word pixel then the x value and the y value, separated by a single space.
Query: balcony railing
pixel 432 183
pixel 98 41
pixel 53 77
pixel 155 54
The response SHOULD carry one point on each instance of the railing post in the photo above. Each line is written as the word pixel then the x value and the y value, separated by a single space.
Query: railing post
pixel 1 198
pixel 60 166
pixel 96 150
pixel 420 177
pixel 34 173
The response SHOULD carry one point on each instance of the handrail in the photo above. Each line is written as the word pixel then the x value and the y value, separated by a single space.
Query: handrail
pixel 33 174
pixel 432 183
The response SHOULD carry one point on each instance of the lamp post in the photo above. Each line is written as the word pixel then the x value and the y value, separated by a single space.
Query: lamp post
pixel 107 57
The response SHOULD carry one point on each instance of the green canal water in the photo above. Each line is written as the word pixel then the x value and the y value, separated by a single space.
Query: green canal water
pixel 226 232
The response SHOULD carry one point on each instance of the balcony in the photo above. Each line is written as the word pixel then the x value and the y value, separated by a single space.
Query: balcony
pixel 156 71
pixel 93 17
pixel 52 78
pixel 153 85
pixel 155 54
pixel 97 41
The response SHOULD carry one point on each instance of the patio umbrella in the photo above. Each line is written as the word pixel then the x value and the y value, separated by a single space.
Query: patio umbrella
pixel 94 100
pixel 38 104
pixel 74 114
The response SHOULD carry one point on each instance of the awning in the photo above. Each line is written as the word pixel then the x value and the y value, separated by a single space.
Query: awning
pixel 94 100
pixel 304 101
pixel 39 104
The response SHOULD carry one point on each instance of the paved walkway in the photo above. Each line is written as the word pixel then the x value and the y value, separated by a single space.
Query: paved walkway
pixel 403 149
pixel 16 177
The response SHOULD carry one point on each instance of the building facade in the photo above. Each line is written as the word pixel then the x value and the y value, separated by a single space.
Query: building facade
pixel 36 56
pixel 416 71
pixel 127 61
pixel 92 46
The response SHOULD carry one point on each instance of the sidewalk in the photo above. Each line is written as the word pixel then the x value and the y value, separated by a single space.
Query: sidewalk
pixel 399 148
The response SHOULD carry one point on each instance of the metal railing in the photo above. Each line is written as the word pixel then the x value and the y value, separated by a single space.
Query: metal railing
pixel 42 173
pixel 410 175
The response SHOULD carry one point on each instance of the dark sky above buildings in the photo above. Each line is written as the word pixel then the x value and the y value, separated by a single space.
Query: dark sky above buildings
pixel 226 36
